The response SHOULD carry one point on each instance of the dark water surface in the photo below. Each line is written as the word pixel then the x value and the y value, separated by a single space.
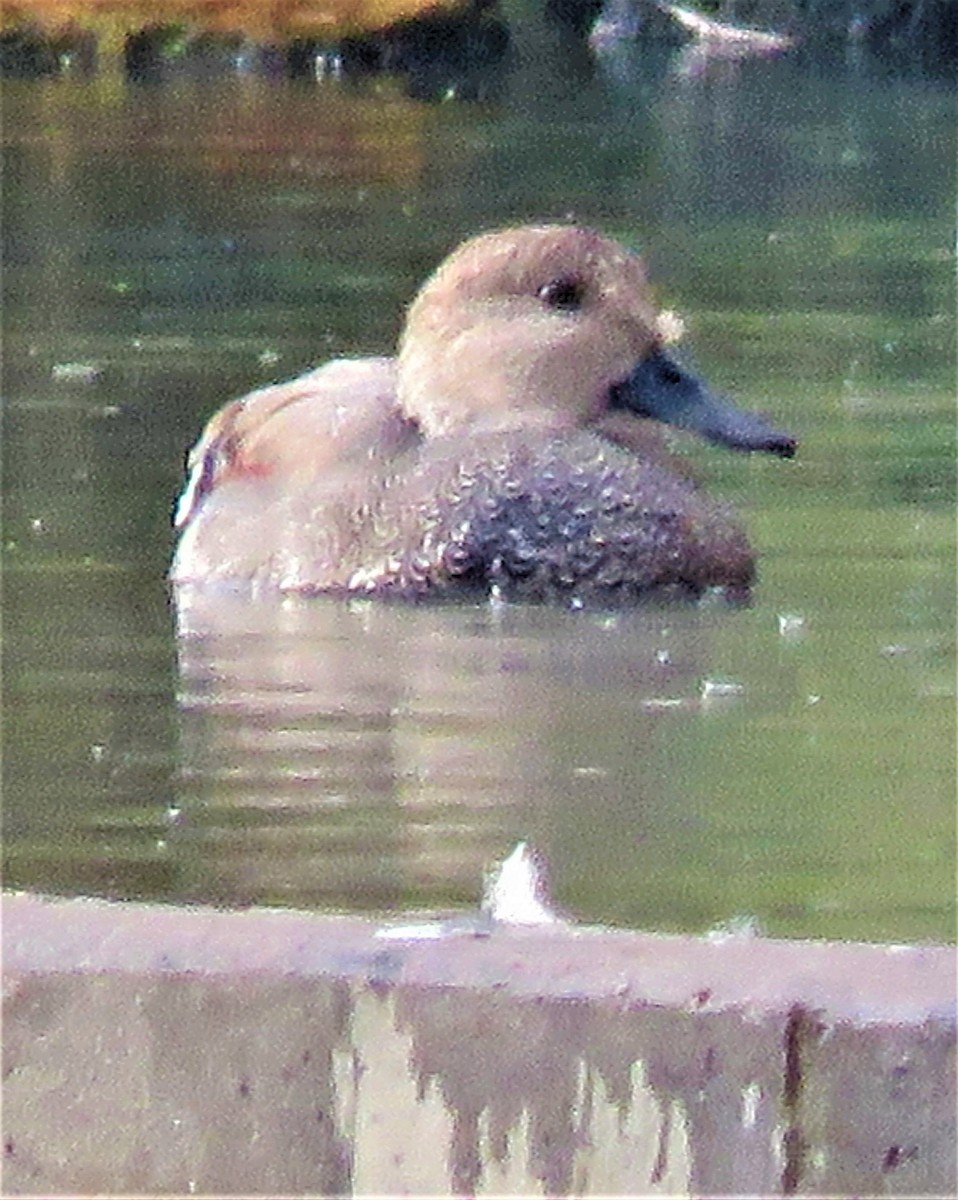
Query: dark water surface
pixel 167 248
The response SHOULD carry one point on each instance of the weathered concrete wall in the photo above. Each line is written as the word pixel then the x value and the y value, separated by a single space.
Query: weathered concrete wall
pixel 162 1050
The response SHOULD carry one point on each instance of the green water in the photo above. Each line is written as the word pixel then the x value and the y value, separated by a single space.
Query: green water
pixel 168 248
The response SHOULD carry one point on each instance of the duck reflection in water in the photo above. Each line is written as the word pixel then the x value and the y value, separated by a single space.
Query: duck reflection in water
pixel 514 447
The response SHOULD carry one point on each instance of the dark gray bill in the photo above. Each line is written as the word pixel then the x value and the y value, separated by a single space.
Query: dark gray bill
pixel 660 388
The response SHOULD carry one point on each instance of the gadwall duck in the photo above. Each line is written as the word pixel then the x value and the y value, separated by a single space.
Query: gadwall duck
pixel 511 448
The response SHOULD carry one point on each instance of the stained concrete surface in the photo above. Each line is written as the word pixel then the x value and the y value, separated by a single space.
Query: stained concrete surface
pixel 189 1051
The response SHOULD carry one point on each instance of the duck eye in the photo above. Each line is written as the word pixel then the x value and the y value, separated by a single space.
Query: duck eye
pixel 566 293
pixel 669 372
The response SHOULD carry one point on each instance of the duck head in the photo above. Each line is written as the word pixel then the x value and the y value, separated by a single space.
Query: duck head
pixel 553 327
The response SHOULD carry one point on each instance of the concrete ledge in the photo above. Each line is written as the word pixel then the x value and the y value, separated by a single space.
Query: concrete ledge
pixel 180 1051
